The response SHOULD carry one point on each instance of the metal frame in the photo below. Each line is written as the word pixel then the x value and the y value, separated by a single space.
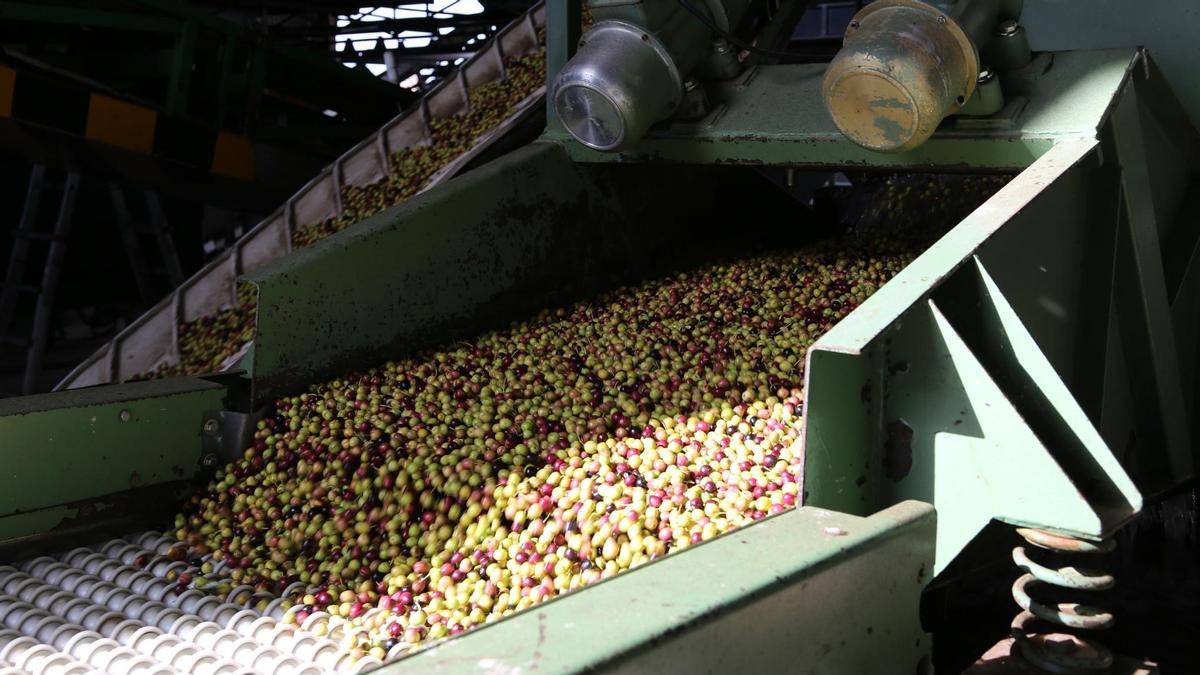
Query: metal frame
pixel 1074 383
pixel 1047 377
pixel 775 115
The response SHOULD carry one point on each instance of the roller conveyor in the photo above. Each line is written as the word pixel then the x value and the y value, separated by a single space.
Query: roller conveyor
pixel 96 607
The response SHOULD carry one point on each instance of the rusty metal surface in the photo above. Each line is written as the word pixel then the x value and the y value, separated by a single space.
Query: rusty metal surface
pixel 904 66
pixel 1002 659
pixel 66 454
pixel 1037 628
pixel 1058 542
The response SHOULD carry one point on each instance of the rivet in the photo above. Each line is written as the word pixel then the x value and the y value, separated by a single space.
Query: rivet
pixel 125 415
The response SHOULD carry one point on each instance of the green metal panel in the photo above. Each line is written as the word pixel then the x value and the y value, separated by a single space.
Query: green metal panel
pixel 528 231
pixel 950 386
pixel 60 451
pixel 808 591
pixel 775 115
pixel 414 273
pixel 1024 368
pixel 1166 27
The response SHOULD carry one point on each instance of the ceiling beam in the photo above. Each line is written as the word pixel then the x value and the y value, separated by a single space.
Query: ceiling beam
pixel 420 23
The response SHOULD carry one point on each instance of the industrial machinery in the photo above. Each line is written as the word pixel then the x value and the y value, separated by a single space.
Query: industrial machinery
pixel 1034 368
pixel 153 340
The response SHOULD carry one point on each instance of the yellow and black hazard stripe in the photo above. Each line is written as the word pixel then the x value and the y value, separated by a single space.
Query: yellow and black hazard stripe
pixel 71 108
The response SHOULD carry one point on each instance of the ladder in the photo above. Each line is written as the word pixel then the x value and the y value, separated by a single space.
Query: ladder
pixel 15 283
pixel 170 272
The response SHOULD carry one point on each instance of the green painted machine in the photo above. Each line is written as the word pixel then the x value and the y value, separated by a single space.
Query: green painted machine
pixel 1034 368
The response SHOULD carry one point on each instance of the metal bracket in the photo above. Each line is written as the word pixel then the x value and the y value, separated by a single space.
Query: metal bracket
pixel 971 379
pixel 225 434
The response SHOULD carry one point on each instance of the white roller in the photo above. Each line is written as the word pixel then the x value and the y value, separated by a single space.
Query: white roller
pixel 112 608
pixel 126 631
pixel 365 663
pixel 32 656
pixel 266 630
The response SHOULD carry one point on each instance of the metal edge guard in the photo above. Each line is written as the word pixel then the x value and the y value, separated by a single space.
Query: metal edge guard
pixel 772 597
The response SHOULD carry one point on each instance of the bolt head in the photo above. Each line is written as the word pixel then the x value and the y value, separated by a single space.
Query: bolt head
pixel 125 415
pixel 210 426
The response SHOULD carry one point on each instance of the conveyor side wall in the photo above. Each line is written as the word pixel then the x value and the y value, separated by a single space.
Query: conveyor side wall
pixel 807 591
pixel 528 231
pixel 69 460
pixel 1035 365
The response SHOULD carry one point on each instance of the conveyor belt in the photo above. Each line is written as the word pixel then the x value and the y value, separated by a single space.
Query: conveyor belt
pixel 153 339
pixel 128 606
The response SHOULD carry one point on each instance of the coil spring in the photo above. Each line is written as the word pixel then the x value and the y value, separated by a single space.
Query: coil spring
pixel 1060 652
